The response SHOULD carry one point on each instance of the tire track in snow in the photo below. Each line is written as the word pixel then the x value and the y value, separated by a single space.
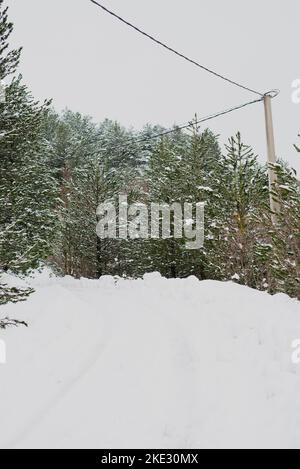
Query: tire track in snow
pixel 65 388
pixel 184 362
pixel 176 355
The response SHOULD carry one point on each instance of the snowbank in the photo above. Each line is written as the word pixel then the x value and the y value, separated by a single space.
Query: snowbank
pixel 150 363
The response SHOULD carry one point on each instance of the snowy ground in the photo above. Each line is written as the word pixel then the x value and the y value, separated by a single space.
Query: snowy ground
pixel 150 363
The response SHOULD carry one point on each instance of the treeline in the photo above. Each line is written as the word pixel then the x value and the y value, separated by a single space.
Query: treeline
pixel 56 169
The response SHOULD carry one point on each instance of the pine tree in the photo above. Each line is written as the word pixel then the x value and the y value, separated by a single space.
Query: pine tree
pixel 27 189
pixel 243 194
pixel 181 170
pixel 199 174
pixel 9 60
pixel 86 158
pixel 283 255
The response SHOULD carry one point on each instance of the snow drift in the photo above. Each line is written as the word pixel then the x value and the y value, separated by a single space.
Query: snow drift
pixel 150 363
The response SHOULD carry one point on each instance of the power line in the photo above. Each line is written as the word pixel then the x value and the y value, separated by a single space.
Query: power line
pixel 204 119
pixel 170 49
pixel 189 125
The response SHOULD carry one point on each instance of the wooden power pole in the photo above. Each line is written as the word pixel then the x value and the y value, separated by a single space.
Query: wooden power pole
pixel 271 149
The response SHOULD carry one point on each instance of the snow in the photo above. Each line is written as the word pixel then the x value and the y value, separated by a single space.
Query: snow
pixel 150 363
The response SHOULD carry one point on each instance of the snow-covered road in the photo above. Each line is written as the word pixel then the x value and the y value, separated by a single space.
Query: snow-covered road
pixel 150 363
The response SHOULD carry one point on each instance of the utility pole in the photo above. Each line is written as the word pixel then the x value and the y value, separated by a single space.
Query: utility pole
pixel 271 149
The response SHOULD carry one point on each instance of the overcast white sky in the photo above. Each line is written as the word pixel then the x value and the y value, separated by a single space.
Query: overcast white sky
pixel 89 62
